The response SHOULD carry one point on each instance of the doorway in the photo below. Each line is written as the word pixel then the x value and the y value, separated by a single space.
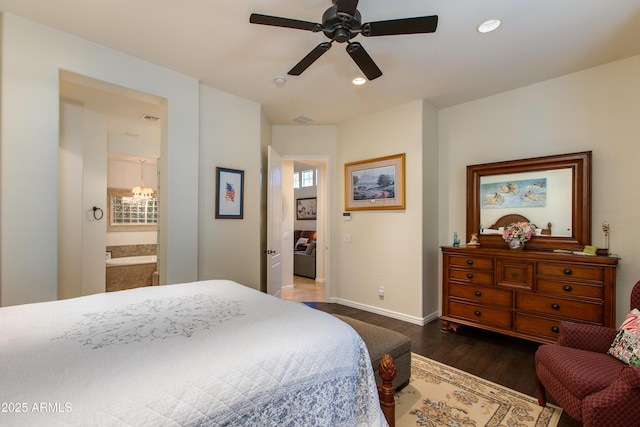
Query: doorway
pixel 105 131
pixel 305 229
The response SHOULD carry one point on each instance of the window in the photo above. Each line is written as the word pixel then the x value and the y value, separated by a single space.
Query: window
pixel 307 178
pixel 127 214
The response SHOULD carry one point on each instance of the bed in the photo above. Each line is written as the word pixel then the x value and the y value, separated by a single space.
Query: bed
pixel 202 353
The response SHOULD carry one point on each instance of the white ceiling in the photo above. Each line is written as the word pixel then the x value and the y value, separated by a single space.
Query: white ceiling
pixel 213 41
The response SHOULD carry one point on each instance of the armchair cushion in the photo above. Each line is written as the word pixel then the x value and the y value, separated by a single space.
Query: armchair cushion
pixel 626 345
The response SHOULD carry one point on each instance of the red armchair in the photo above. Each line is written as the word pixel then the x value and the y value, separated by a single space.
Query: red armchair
pixel 590 385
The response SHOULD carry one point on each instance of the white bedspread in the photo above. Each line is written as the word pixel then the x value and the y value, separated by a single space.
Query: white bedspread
pixel 204 353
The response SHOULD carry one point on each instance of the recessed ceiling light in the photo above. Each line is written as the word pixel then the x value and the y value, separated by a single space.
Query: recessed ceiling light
pixel 489 25
pixel 359 81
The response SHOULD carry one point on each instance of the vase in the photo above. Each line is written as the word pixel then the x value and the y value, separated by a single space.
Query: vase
pixel 516 245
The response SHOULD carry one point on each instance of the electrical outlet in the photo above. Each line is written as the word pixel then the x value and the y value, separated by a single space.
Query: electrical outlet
pixel 346 238
pixel 381 292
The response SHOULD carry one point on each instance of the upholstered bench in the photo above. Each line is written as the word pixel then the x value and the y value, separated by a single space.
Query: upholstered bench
pixel 381 341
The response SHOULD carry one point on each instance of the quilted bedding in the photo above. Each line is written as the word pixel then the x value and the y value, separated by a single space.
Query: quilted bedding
pixel 212 353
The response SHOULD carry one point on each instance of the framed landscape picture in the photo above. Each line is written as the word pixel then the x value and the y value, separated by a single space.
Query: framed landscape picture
pixel 375 183
pixel 229 193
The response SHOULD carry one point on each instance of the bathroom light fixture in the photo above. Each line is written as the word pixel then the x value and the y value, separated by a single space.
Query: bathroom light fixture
pixel 140 192
pixel 489 25
pixel 358 81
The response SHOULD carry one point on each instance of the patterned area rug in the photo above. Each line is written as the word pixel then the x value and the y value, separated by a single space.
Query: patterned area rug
pixel 439 395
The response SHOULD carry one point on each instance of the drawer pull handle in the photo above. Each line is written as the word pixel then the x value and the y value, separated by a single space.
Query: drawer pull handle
pixel 477 313
pixel 567 272
pixel 478 293
pixel 567 288
pixel 555 329
pixel 470 261
pixel 469 276
pixel 555 306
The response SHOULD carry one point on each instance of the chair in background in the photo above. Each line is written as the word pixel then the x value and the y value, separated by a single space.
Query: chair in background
pixel 591 385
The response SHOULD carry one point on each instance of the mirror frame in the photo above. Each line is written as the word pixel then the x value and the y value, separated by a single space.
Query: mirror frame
pixel 579 163
pixel 111 227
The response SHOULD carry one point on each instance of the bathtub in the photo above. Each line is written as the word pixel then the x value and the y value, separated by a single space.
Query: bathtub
pixel 133 260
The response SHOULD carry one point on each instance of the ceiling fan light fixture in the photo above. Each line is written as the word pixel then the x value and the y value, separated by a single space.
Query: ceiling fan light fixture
pixel 359 81
pixel 280 81
pixel 489 25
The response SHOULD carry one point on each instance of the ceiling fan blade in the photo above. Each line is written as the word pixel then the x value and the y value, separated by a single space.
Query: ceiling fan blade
pixel 363 60
pixel 277 21
pixel 346 6
pixel 311 57
pixel 417 25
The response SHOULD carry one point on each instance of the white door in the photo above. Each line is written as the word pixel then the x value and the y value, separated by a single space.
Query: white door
pixel 82 185
pixel 274 223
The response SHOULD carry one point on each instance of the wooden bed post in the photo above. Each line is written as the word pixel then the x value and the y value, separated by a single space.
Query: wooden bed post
pixel 387 371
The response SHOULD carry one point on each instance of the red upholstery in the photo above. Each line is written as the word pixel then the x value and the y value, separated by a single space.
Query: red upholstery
pixel 591 386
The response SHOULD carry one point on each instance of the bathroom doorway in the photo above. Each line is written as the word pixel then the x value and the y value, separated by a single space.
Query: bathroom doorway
pixel 105 133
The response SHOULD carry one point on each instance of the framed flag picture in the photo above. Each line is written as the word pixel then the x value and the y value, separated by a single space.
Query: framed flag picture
pixel 229 193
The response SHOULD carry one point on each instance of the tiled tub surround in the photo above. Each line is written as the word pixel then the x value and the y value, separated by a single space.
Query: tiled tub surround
pixel 131 267
pixel 132 250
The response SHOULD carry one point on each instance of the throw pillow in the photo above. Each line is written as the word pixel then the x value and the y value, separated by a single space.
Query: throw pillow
pixel 626 345
pixel 301 241
pixel 311 247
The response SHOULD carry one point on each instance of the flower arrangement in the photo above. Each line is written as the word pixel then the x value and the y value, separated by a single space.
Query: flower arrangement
pixel 521 231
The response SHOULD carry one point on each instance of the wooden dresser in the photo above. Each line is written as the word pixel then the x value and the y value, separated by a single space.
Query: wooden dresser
pixel 525 293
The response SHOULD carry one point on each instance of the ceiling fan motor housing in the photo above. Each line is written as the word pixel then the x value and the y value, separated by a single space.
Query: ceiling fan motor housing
pixel 340 27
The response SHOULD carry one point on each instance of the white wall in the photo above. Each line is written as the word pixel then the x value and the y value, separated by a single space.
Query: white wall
pixel 230 131
pixel 386 248
pixel 32 57
pixel 431 262
pixel 596 109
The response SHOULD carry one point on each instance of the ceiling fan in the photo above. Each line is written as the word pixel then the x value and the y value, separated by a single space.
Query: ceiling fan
pixel 342 22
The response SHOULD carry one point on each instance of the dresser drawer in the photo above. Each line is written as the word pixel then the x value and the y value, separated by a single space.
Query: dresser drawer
pixel 595 291
pixel 514 273
pixel 481 295
pixel 481 314
pixel 571 271
pixel 472 276
pixel 579 310
pixel 473 262
pixel 533 325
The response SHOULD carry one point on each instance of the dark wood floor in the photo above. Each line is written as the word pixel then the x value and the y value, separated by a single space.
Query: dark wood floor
pixel 504 360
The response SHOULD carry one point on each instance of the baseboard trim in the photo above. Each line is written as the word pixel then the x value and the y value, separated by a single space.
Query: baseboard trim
pixel 388 313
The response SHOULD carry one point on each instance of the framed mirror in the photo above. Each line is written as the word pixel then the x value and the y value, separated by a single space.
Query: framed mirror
pixel 125 213
pixel 552 192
